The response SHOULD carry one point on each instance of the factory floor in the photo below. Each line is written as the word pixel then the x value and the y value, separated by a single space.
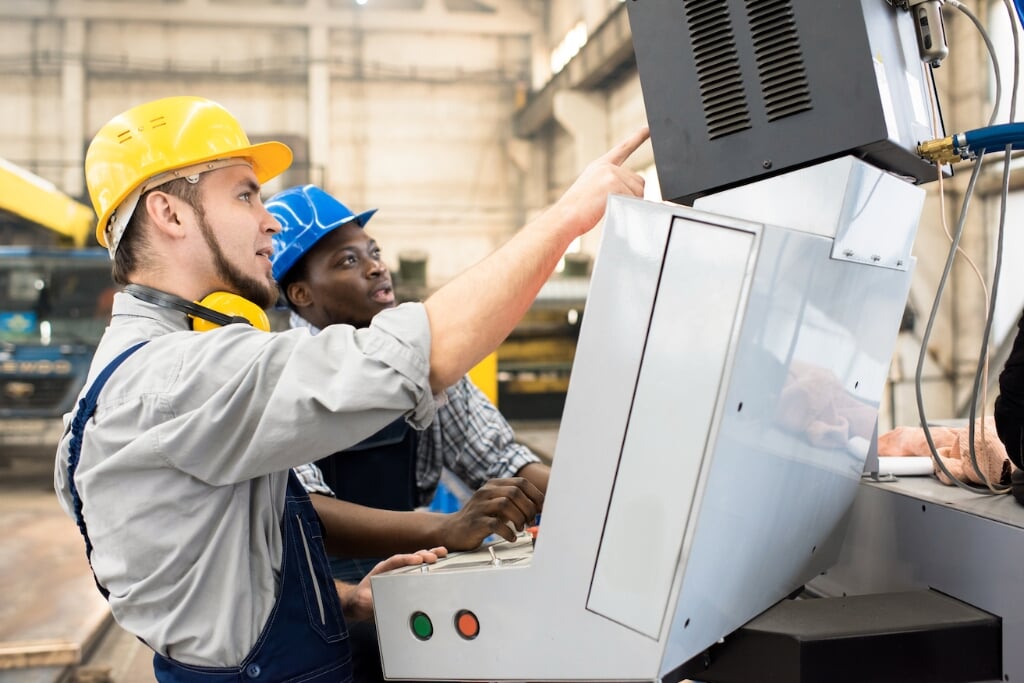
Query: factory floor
pixel 54 625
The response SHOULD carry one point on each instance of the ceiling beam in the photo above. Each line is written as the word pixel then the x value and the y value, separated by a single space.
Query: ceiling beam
pixel 434 17
pixel 608 49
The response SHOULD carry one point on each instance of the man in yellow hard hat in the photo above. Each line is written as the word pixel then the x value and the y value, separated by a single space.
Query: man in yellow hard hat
pixel 176 463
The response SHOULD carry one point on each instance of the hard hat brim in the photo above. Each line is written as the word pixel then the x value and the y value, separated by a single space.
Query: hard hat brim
pixel 269 159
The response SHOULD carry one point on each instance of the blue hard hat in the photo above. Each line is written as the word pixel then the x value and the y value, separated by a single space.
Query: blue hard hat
pixel 306 213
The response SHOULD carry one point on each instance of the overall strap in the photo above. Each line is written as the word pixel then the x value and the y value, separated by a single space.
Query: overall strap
pixel 86 409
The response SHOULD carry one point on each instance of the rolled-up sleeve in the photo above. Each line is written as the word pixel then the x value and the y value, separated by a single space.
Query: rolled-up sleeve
pixel 409 326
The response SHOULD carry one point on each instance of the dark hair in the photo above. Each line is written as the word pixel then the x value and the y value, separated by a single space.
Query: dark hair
pixel 131 251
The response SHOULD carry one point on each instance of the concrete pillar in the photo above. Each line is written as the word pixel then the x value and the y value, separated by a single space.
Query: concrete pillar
pixel 72 85
pixel 585 116
pixel 540 61
pixel 319 86
pixel 594 12
pixel 529 161
pixel 356 174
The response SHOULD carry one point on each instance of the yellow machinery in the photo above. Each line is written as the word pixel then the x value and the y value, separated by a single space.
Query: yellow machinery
pixel 485 376
pixel 39 201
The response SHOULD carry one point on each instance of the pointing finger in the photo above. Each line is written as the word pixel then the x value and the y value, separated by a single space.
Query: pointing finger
pixel 620 152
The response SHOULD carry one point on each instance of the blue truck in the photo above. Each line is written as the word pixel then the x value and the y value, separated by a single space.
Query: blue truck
pixel 54 305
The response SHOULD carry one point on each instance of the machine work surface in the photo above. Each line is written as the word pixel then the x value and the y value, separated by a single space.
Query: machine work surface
pixel 997 508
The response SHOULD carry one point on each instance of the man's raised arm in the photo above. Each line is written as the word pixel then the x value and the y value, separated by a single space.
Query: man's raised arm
pixel 471 315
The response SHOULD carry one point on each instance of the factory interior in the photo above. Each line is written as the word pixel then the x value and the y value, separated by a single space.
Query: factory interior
pixel 767 387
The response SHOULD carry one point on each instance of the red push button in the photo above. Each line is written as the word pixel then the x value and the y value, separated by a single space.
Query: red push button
pixel 467 624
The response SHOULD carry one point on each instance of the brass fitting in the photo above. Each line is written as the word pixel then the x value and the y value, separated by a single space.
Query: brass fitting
pixel 940 151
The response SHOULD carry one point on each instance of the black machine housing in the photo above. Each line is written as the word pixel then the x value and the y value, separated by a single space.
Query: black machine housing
pixel 736 90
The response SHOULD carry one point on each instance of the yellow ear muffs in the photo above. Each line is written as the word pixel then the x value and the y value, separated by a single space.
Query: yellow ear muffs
pixel 215 310
pixel 233 306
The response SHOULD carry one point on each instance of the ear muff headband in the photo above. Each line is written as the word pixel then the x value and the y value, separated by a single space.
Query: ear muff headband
pixel 215 310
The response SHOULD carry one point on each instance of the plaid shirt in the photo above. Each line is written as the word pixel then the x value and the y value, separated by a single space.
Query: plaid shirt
pixel 468 437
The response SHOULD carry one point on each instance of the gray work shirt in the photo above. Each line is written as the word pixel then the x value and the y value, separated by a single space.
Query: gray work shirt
pixel 184 465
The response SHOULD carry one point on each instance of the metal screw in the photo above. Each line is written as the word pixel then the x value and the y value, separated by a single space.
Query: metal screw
pixel 767 163
pixel 848 253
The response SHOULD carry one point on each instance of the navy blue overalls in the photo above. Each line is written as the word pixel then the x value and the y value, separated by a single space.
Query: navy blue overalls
pixel 305 638
pixel 378 472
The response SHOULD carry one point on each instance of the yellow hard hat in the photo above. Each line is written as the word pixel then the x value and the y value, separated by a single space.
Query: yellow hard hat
pixel 152 139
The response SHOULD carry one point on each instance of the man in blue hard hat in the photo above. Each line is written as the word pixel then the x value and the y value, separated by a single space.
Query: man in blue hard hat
pixel 330 272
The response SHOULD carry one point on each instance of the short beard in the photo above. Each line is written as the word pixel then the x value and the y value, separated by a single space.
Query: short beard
pixel 262 293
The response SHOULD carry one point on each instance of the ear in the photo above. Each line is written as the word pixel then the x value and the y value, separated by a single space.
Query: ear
pixel 299 294
pixel 163 211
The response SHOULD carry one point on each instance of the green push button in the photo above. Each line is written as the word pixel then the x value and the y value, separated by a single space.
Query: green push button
pixel 421 626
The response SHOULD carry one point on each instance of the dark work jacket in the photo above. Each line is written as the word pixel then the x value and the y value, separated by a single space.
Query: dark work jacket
pixel 1009 408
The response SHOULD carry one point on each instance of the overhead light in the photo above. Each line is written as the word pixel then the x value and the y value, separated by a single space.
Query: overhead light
pixel 575 39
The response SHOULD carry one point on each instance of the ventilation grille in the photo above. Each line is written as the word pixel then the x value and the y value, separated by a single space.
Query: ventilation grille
pixel 718 67
pixel 780 64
